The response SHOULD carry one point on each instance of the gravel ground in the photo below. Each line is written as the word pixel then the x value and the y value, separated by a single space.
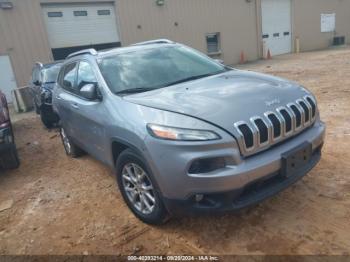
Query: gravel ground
pixel 58 205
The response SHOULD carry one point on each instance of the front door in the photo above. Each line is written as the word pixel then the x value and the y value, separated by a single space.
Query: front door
pixel 63 93
pixel 90 116
pixel 83 119
pixel 7 77
pixel 276 26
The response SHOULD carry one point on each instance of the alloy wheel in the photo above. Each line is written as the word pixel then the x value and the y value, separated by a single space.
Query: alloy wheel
pixel 138 188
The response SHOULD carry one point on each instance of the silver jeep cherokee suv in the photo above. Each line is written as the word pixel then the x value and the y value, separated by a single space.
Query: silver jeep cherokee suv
pixel 183 132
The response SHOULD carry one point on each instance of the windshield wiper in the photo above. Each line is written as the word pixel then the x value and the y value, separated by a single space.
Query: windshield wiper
pixel 194 78
pixel 134 90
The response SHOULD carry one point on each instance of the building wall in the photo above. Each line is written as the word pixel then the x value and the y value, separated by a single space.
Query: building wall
pixel 307 22
pixel 235 20
pixel 24 38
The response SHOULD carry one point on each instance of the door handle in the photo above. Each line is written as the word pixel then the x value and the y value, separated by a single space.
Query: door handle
pixel 58 98
pixel 75 105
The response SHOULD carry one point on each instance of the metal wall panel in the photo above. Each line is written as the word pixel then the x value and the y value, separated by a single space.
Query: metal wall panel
pixel 188 21
pixel 23 37
pixel 307 22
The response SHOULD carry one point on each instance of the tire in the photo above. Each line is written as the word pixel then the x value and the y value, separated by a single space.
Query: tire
pixel 71 149
pixel 48 117
pixel 10 159
pixel 141 187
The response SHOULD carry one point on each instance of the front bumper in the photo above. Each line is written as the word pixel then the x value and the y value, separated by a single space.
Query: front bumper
pixel 237 199
pixel 170 162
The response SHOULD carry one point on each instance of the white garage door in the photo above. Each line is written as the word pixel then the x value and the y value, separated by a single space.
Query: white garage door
pixel 276 26
pixel 70 25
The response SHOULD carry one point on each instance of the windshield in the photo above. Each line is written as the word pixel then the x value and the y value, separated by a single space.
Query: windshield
pixel 156 68
pixel 49 75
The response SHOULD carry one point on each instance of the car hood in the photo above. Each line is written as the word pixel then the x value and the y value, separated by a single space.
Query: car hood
pixel 224 99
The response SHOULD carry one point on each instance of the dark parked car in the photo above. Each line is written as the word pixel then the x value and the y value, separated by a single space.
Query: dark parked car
pixel 8 152
pixel 43 80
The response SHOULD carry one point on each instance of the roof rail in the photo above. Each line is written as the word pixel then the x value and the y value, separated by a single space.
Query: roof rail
pixel 157 41
pixel 90 51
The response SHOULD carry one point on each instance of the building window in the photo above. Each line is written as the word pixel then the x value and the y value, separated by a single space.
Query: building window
pixel 213 43
pixel 103 12
pixel 54 14
pixel 80 13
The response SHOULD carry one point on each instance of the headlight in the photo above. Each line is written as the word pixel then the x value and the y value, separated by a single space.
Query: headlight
pixel 181 134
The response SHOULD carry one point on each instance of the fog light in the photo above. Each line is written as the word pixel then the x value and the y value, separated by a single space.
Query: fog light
pixel 199 197
pixel 203 166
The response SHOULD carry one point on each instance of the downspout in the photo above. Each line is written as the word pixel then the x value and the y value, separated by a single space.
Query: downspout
pixel 259 28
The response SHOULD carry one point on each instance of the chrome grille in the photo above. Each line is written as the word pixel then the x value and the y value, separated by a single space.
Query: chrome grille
pixel 248 135
pixel 263 130
pixel 287 120
pixel 297 115
pixel 306 110
pixel 313 106
pixel 275 126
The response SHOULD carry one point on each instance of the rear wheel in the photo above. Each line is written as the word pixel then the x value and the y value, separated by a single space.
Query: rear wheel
pixel 139 190
pixel 71 149
pixel 48 117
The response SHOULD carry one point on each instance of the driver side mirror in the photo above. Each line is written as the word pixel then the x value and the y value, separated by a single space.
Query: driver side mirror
pixel 90 92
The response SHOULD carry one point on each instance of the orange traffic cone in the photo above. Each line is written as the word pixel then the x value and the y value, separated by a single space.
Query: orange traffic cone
pixel 242 59
pixel 268 54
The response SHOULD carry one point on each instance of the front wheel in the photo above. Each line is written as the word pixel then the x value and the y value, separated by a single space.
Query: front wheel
pixel 139 190
pixel 48 117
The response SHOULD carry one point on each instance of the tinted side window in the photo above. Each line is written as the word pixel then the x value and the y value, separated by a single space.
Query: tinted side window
pixel 69 76
pixel 86 75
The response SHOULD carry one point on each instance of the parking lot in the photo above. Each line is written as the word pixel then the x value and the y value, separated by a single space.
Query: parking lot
pixel 57 205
